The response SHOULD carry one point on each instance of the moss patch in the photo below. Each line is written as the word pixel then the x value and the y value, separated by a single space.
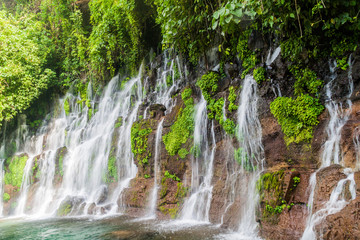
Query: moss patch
pixel 182 128
pixel 139 141
pixel 15 171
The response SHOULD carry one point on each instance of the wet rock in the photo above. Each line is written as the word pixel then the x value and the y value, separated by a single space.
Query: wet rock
pixel 326 181
pixel 231 70
pixel 157 111
pixel 68 205
pixel 102 195
pixel 344 224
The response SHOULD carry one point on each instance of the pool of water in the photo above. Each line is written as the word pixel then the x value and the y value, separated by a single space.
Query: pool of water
pixel 120 227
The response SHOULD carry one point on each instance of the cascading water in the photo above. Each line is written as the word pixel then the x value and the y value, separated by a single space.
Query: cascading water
pixel 242 177
pixel 331 155
pixel 82 145
pixel 154 193
pixel 197 207
pixel 249 134
pixel 1 186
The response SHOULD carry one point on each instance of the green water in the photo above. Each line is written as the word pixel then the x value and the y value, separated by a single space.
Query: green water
pixel 112 228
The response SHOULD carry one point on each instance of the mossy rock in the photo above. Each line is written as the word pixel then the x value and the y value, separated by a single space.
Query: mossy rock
pixel 15 170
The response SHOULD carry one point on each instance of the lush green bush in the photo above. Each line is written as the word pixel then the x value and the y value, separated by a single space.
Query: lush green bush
pixel 6 197
pixel 182 128
pixel 297 117
pixel 306 81
pixel 139 141
pixel 14 174
pixel 22 58
pixel 259 75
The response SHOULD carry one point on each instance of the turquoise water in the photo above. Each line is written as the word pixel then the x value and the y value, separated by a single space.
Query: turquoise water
pixel 111 228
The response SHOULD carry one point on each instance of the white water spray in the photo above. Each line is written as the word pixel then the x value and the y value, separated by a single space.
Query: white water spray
pixel 197 206
pixel 153 197
pixel 331 153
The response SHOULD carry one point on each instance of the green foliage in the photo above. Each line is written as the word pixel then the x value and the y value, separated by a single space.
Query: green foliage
pixel 195 151
pixel 230 15
pixel 23 76
pixel 232 98
pixel 6 197
pixel 139 142
pixel 297 116
pixel 185 25
pixel 306 81
pixel 14 174
pixel 64 210
pixel 183 153
pixel 209 85
pixel 112 168
pixel 259 75
pixel 119 122
pixel 115 37
pixel 171 176
pixel 183 126
pixel 67 106
pixel 243 159
pixel 247 56
pixel 296 181
pixel 146 176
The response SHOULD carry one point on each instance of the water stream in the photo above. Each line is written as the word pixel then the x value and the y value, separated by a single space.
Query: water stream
pixel 197 206
pixel 331 154
pixel 154 192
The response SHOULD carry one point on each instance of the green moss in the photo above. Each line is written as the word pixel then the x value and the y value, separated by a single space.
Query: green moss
pixel 119 122
pixel 297 117
pixel 247 56
pixel 183 153
pixel 112 169
pixel 183 126
pixel 259 75
pixel 67 106
pixel 195 151
pixel 171 176
pixel 15 171
pixel 269 187
pixel 306 81
pixel 209 85
pixel 64 210
pixel 139 142
pixel 232 98
pixel 243 159
pixel 6 197
pixel 146 176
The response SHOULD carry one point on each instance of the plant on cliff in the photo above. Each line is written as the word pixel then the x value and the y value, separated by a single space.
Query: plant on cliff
pixel 259 75
pixel 232 98
pixel 14 174
pixel 183 126
pixel 23 76
pixel 139 141
pixel 297 117
pixel 208 84
pixel 6 197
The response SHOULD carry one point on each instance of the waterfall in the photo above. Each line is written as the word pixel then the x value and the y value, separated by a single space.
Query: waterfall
pixel 197 206
pixel 249 134
pixel 81 143
pixel 244 171
pixel 154 192
pixel 331 154
pixel 2 172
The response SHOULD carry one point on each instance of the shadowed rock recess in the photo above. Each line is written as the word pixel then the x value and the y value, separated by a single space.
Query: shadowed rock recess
pixel 264 142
